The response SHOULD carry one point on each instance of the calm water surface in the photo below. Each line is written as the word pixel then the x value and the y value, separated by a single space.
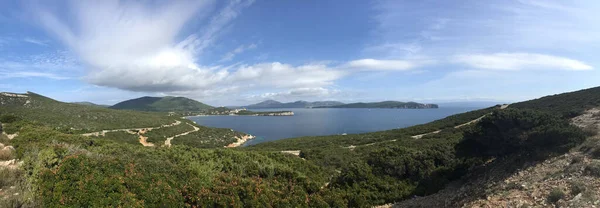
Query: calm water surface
pixel 325 121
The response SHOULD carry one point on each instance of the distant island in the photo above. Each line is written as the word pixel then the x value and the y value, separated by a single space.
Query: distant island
pixel 296 104
pixel 223 111
pixel 385 104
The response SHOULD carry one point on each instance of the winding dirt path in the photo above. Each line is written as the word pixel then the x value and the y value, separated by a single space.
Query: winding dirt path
pixel 168 141
pixel 351 147
pixel 130 130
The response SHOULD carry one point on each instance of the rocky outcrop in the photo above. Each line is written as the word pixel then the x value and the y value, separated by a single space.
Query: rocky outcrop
pixel 240 141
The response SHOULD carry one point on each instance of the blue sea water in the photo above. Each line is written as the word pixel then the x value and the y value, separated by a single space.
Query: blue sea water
pixel 325 121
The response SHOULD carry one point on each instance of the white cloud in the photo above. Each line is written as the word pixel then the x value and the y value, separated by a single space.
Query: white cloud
pixel 229 56
pixel 29 74
pixel 36 41
pixel 384 65
pixel 520 61
pixel 296 94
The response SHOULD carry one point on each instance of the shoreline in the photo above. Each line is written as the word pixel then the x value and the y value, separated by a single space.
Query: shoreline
pixel 240 141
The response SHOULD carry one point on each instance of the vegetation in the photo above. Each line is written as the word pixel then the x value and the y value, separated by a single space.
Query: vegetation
pixel 513 131
pixel 566 105
pixel 208 137
pixel 160 135
pixel 72 118
pixel 384 104
pixel 555 195
pixel 162 104
pixel 70 170
pixel 62 168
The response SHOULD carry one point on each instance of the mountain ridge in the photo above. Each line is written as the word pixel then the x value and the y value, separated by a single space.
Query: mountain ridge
pixel 385 104
pixel 161 104
pixel 295 104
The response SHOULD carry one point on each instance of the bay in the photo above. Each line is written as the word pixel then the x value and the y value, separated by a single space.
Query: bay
pixel 325 121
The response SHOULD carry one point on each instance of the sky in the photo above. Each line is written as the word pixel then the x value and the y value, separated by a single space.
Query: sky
pixel 245 51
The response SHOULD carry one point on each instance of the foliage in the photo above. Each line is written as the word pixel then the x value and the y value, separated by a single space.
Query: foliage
pixel 160 135
pixel 593 169
pixel 577 187
pixel 70 170
pixel 74 118
pixel 208 137
pixel 162 104
pixel 555 195
pixel 511 131
pixel 566 105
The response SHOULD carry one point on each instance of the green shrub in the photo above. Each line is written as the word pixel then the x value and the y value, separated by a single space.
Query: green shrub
pixel 577 187
pixel 8 118
pixel 591 130
pixel 577 159
pixel 593 169
pixel 555 195
pixel 512 131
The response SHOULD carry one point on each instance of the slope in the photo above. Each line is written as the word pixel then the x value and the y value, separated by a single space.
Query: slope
pixel 162 104
pixel 74 118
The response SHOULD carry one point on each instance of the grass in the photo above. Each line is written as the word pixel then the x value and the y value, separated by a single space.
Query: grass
pixel 122 137
pixel 7 154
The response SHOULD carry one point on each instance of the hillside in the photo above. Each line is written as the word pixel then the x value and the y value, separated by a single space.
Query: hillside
pixel 296 104
pixel 385 104
pixel 181 164
pixel 162 104
pixel 68 117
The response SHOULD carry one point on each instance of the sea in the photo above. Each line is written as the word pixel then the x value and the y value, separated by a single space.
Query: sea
pixel 325 121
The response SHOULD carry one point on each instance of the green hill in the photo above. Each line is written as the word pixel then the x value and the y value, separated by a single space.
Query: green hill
pixel 162 104
pixel 69 117
pixel 384 104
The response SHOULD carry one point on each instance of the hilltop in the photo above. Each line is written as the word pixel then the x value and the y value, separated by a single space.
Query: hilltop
pixel 162 104
pixel 296 104
pixel 384 104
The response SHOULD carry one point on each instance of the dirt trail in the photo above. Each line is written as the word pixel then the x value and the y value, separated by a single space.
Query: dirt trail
pixel 130 130
pixel 168 141
pixel 351 147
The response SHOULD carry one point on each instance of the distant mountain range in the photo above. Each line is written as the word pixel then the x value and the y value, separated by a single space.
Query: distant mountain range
pixel 162 104
pixel 297 104
pixel 385 104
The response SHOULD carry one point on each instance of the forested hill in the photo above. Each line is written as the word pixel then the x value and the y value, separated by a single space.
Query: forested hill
pixel 162 104
pixel 385 104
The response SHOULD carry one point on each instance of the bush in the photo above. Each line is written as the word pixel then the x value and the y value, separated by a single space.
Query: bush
pixel 555 195
pixel 577 159
pixel 593 169
pixel 515 131
pixel 591 130
pixel 8 118
pixel 577 187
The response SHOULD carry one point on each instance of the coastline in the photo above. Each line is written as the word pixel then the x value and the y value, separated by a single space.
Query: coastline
pixel 240 141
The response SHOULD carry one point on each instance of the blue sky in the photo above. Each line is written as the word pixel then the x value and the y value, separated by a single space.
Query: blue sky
pixel 240 52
